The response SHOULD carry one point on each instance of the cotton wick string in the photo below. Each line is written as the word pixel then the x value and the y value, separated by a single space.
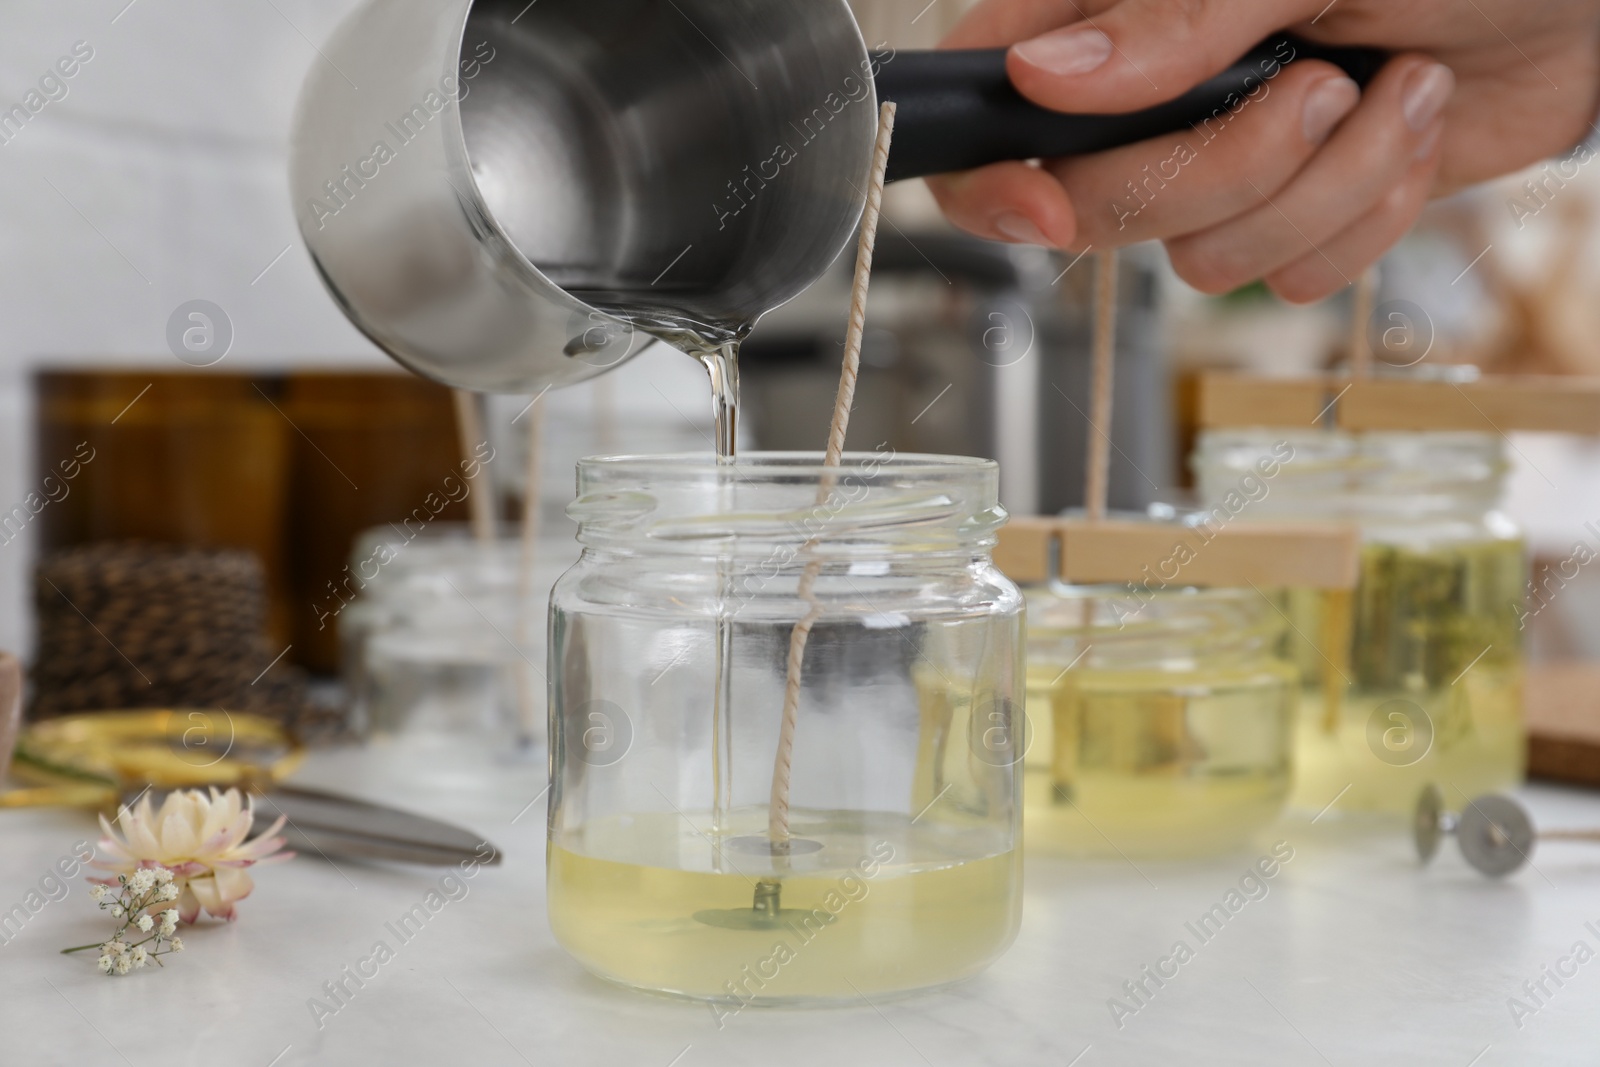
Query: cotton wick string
pixel 1097 478
pixel 530 496
pixel 1338 605
pixel 469 429
pixel 778 813
pixel 525 567
pixel 1366 294
pixel 1097 473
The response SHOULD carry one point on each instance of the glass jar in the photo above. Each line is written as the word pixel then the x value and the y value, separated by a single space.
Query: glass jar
pixel 1416 677
pixel 443 650
pixel 1162 720
pixel 670 644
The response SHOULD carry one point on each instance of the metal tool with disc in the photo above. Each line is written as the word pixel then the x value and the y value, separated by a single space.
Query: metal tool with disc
pixel 1431 823
pixel 766 911
pixel 1494 833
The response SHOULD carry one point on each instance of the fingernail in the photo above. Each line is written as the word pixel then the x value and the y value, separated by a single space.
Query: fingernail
pixel 1325 105
pixel 1426 91
pixel 1019 227
pixel 1429 142
pixel 1075 50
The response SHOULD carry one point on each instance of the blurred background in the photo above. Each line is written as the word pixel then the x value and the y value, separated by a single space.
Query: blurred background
pixel 150 187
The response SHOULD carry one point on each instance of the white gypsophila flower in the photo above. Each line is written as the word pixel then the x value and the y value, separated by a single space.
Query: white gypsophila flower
pixel 133 904
pixel 177 944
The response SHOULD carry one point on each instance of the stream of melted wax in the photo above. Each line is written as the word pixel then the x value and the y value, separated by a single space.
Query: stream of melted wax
pixel 718 351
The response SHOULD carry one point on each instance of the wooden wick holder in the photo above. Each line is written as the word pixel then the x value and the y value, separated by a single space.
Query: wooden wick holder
pixel 1267 556
pixel 1493 404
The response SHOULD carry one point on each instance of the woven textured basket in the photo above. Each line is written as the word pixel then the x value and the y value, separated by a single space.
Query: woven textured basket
pixel 130 625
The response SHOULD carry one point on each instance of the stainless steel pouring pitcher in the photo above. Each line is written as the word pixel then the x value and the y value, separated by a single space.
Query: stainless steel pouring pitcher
pixel 495 192
pixel 500 193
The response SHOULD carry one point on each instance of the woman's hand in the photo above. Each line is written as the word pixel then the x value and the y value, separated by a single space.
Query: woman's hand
pixel 1312 180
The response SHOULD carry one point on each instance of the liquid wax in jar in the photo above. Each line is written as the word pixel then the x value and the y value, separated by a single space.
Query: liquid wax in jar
pixel 885 905
pixel 1154 763
pixel 1424 683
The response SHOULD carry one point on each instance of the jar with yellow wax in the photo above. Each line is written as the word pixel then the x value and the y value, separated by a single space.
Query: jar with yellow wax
pixel 895 861
pixel 1415 677
pixel 1161 720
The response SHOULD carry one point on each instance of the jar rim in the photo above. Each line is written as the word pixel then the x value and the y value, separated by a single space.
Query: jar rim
pixel 1357 451
pixel 1373 477
pixel 873 503
pixel 1198 594
pixel 790 465
pixel 1124 621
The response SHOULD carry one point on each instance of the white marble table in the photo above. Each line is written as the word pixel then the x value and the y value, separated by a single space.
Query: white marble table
pixel 1354 956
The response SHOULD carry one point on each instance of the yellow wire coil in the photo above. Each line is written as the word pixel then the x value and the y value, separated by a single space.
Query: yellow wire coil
pixel 89 759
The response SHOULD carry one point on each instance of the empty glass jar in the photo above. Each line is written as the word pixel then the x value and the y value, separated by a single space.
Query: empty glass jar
pixel 670 652
pixel 443 650
pixel 1416 677
pixel 1161 721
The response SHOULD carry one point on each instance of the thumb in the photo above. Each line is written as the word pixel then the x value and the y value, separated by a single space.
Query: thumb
pixel 1139 53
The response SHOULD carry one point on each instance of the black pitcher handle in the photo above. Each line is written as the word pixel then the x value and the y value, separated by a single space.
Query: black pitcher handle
pixel 958 110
